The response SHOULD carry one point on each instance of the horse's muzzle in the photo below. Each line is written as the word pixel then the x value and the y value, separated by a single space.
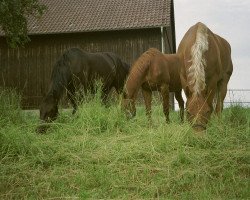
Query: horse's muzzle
pixel 42 128
pixel 199 127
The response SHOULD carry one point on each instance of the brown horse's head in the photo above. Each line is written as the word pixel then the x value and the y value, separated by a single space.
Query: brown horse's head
pixel 198 112
pixel 49 109
pixel 128 106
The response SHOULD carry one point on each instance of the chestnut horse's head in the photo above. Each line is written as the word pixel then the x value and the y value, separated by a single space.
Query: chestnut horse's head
pixel 198 112
pixel 128 106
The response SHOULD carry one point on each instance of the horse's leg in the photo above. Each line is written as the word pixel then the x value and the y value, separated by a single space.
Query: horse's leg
pixel 147 95
pixel 71 96
pixel 180 100
pixel 221 94
pixel 118 89
pixel 104 95
pixel 165 98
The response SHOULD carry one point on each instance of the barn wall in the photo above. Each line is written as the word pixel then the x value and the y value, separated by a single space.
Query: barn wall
pixel 28 69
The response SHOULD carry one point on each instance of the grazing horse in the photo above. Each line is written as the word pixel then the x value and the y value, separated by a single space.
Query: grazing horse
pixel 153 71
pixel 75 69
pixel 206 67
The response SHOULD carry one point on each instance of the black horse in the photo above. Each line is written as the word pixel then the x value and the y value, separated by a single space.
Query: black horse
pixel 76 69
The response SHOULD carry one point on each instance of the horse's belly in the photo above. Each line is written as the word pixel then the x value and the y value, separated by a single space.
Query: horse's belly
pixel 150 86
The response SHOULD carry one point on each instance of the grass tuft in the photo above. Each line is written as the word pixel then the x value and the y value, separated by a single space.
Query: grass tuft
pixel 98 154
pixel 10 108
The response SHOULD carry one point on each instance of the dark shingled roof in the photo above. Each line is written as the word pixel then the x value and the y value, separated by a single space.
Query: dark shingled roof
pixel 66 16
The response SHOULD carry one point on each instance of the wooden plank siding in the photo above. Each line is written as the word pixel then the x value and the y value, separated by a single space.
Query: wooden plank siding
pixel 28 68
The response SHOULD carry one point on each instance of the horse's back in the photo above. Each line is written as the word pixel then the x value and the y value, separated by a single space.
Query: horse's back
pixel 173 64
pixel 96 62
pixel 225 54
pixel 184 48
pixel 218 57
pixel 218 53
pixel 158 71
pixel 99 66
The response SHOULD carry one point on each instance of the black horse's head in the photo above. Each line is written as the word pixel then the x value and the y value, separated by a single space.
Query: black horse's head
pixel 48 112
pixel 48 109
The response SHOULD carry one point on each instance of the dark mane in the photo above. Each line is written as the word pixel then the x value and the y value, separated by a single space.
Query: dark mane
pixel 60 75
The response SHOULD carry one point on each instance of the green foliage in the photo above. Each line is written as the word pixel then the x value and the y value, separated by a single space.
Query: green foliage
pixel 13 19
pixel 98 154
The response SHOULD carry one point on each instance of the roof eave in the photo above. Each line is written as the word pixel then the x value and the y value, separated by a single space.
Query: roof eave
pixel 98 30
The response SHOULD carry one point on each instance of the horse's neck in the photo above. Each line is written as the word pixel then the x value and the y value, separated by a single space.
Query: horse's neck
pixel 134 81
pixel 55 93
pixel 131 89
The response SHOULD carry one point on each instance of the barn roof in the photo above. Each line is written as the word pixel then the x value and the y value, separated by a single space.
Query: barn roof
pixel 66 16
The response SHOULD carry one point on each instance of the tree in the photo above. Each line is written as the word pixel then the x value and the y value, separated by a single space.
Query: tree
pixel 13 19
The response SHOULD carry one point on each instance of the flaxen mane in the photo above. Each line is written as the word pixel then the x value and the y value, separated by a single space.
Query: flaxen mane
pixel 196 72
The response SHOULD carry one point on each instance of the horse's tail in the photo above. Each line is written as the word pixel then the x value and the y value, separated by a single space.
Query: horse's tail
pixel 138 71
pixel 196 72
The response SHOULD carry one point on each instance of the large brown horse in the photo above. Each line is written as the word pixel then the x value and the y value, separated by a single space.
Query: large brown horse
pixel 153 71
pixel 75 69
pixel 206 67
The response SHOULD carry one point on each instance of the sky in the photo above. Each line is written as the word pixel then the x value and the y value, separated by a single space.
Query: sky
pixel 229 19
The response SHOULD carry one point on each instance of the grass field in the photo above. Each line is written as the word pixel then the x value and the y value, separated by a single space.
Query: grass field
pixel 98 154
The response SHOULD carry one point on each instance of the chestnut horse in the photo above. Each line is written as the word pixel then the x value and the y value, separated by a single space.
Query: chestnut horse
pixel 153 71
pixel 75 69
pixel 206 67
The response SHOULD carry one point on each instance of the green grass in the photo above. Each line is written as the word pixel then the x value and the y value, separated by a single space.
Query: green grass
pixel 98 154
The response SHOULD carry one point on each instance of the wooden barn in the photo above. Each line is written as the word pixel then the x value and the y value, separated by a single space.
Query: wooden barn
pixel 127 28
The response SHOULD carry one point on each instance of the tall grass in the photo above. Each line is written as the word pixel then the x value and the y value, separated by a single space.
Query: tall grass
pixel 98 154
pixel 10 109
